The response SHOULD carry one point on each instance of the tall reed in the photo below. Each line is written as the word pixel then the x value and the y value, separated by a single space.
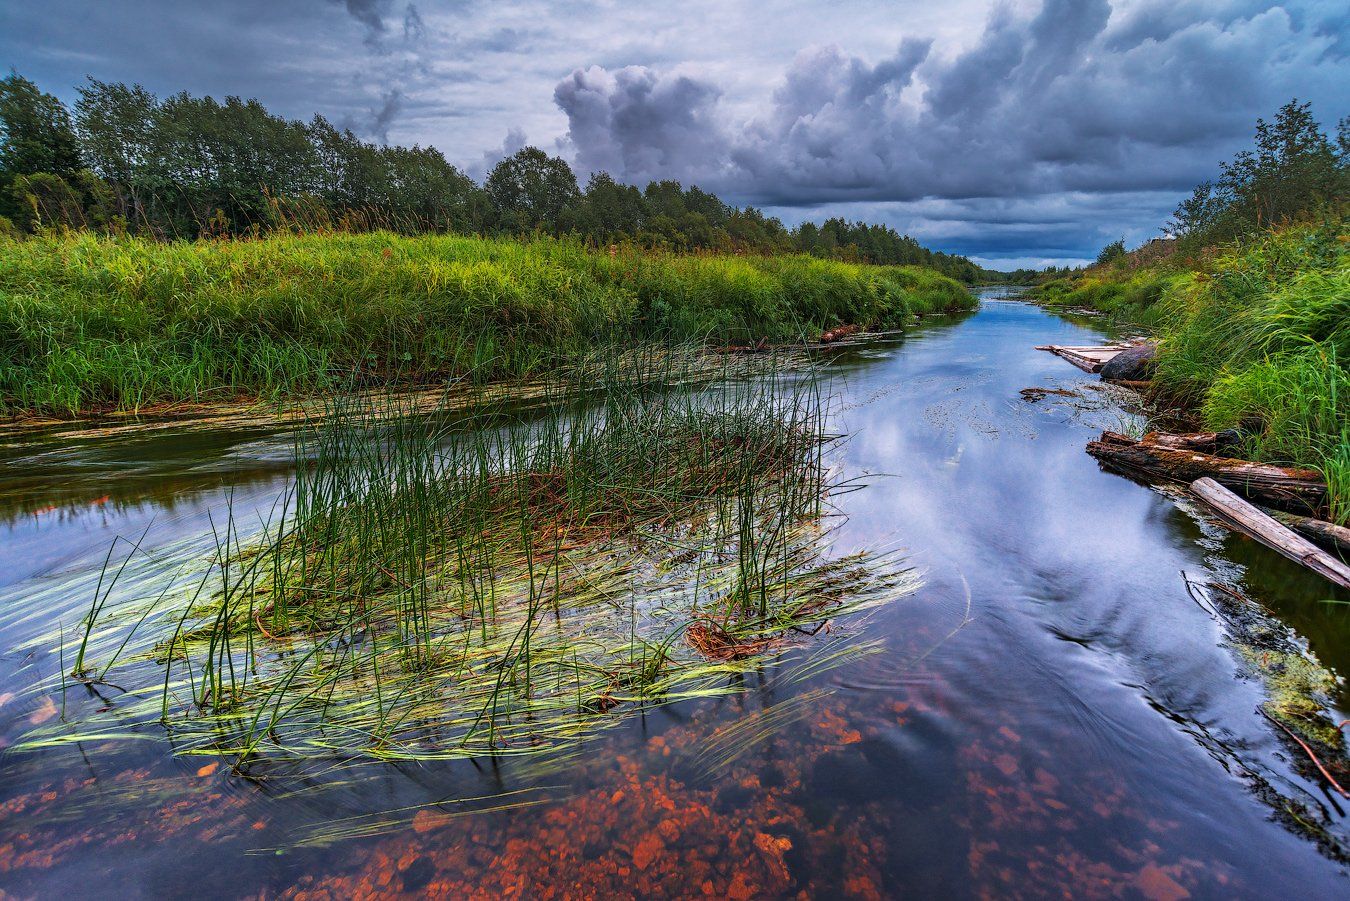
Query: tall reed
pixel 494 580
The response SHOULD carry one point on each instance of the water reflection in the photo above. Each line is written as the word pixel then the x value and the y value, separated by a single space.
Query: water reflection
pixel 1052 713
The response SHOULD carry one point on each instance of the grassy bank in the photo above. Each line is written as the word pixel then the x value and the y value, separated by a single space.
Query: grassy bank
pixel 1255 337
pixel 95 323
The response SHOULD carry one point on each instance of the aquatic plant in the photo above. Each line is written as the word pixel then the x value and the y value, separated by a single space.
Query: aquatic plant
pixel 488 580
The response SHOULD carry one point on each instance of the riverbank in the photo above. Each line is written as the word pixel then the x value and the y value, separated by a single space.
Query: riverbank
pixel 100 324
pixel 1255 337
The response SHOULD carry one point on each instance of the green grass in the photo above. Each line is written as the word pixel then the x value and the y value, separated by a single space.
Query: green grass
pixel 90 323
pixel 1128 298
pixel 1256 338
pixel 495 581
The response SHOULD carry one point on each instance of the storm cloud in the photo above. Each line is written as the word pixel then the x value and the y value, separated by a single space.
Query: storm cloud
pixel 641 125
pixel 1021 130
pixel 1064 100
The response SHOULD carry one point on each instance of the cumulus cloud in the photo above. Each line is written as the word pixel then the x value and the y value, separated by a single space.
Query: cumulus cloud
pixel 644 126
pixel 1071 98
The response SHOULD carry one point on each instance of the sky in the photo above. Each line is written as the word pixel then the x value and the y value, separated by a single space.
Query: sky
pixel 1029 132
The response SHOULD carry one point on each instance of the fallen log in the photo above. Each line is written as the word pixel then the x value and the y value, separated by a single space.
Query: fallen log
pixel 1154 460
pixel 1243 517
pixel 839 332
pixel 757 348
pixel 1317 530
pixel 1204 442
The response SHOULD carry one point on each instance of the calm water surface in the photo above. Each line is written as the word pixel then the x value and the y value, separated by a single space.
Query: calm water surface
pixel 1050 713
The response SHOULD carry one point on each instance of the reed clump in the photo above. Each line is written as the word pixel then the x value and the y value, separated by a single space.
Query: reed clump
pixel 499 581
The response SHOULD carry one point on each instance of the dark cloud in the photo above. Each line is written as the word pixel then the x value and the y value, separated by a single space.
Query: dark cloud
pixel 370 13
pixel 392 64
pixel 391 104
pixel 1037 105
pixel 1030 128
pixel 1075 98
pixel 633 122
pixel 414 28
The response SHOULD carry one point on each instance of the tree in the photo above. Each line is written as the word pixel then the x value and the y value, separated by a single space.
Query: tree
pixel 115 124
pixel 42 200
pixel 1198 213
pixel 1294 169
pixel 807 237
pixel 609 211
pixel 187 166
pixel 35 137
pixel 1111 252
pixel 530 190
pixel 427 193
pixel 665 198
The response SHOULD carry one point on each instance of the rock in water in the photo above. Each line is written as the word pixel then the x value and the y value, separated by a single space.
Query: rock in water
pixel 1133 364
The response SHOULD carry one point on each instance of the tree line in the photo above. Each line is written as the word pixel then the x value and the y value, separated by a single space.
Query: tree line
pixel 123 160
pixel 1293 171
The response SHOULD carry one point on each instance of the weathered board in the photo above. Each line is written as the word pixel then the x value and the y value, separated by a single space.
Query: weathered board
pixel 1088 359
pixel 1318 530
pixel 1243 517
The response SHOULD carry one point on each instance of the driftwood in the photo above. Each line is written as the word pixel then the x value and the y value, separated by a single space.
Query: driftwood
pixel 1031 395
pixel 758 348
pixel 1317 530
pixel 1237 514
pixel 838 332
pixel 1204 442
pixel 1156 458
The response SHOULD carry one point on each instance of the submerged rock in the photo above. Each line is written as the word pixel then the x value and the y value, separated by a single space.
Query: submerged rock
pixel 1133 364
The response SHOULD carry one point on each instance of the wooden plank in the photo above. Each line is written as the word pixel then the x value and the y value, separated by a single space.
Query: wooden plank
pixel 1088 359
pixel 1153 460
pixel 1073 357
pixel 1318 530
pixel 1243 517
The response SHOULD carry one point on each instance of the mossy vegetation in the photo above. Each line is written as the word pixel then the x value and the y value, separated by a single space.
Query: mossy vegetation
pixel 91 323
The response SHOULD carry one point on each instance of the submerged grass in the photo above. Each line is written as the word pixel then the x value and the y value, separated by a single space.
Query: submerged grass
pixel 96 323
pixel 489 582
pixel 1257 339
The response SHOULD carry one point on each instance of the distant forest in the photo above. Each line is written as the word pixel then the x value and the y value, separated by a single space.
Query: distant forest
pixel 124 160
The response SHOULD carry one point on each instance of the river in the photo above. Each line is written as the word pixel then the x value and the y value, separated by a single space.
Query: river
pixel 1051 713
